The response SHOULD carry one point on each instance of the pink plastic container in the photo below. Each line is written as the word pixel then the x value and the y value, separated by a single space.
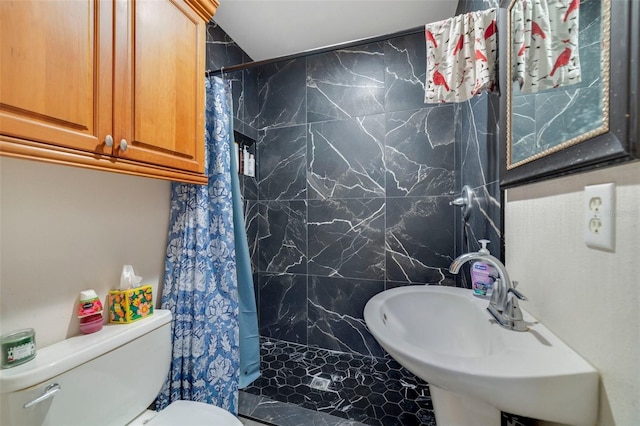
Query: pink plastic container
pixel 91 324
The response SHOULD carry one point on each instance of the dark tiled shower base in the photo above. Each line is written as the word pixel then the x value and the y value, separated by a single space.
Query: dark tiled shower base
pixel 374 391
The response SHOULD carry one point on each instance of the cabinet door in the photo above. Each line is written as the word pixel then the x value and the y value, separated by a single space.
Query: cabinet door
pixel 56 72
pixel 160 83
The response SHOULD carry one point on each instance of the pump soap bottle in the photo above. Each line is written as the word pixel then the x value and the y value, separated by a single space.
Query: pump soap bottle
pixel 482 274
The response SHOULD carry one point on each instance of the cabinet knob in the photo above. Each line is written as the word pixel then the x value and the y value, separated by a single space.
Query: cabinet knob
pixel 123 145
pixel 108 141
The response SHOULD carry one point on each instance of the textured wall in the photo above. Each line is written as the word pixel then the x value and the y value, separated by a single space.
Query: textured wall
pixel 65 230
pixel 588 297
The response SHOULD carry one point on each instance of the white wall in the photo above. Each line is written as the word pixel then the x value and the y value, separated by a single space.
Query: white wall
pixel 65 229
pixel 589 298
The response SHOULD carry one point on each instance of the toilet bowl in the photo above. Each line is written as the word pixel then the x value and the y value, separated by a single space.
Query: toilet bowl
pixel 105 378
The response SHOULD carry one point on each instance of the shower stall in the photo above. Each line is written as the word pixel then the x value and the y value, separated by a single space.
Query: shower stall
pixel 354 179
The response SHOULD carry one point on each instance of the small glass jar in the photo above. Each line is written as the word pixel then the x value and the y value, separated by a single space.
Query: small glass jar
pixel 17 347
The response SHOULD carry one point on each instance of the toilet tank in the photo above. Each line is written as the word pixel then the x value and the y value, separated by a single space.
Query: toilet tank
pixel 104 378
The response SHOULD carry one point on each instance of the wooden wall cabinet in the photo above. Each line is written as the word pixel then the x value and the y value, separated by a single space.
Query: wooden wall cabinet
pixel 108 85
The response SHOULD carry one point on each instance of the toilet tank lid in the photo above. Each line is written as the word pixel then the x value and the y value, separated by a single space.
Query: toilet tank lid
pixel 63 356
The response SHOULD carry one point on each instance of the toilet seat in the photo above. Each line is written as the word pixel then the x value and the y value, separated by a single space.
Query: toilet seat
pixel 191 413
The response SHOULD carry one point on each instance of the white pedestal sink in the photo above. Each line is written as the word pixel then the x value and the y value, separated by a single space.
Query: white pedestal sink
pixel 475 367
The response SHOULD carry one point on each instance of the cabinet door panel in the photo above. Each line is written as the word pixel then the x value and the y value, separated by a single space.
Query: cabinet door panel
pixel 55 78
pixel 168 85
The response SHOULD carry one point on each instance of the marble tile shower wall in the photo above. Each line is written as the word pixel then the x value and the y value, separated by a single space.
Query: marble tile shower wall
pixel 478 137
pixel 355 175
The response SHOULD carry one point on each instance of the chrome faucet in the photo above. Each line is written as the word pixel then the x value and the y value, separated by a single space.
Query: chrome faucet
pixel 503 305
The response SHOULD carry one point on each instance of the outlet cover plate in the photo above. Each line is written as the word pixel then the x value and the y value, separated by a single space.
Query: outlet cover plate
pixel 599 223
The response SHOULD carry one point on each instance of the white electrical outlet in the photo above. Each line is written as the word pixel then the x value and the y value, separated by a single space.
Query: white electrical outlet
pixel 599 230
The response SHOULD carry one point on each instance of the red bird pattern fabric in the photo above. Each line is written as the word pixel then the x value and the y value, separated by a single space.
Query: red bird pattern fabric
pixel 461 57
pixel 545 44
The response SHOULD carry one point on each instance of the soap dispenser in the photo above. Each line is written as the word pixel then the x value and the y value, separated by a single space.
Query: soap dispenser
pixel 482 274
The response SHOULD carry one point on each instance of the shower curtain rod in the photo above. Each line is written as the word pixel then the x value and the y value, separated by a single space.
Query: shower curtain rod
pixel 348 44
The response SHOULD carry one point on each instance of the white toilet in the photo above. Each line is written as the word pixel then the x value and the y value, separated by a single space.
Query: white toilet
pixel 105 378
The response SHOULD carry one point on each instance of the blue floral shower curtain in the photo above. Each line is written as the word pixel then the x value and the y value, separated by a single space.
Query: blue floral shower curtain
pixel 200 286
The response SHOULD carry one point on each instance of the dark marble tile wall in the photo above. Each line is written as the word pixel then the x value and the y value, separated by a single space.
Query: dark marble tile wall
pixel 346 83
pixel 335 314
pixel 281 94
pixel 345 158
pixel 222 51
pixel 478 138
pixel 346 238
pixel 355 175
pixel 542 119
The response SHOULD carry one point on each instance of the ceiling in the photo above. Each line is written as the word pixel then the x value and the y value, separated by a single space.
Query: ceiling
pixel 268 29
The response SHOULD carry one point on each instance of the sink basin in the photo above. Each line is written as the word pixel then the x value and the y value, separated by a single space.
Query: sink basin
pixel 445 336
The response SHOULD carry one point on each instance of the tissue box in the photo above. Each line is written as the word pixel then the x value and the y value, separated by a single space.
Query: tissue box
pixel 126 306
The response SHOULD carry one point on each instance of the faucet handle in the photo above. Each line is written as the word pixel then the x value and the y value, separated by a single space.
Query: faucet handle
pixel 517 294
pixel 458 202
